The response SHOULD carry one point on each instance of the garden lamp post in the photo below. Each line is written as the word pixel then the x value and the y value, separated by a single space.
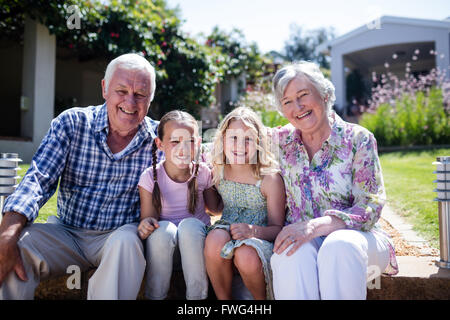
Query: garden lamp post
pixel 443 199
pixel 9 167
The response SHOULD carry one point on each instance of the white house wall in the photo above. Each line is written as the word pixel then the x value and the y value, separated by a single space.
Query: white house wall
pixel 38 80
pixel 38 87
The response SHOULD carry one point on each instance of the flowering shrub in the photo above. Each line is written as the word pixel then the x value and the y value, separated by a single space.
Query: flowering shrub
pixel 187 72
pixel 264 105
pixel 409 111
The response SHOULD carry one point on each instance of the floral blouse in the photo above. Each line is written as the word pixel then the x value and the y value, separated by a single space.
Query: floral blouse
pixel 343 179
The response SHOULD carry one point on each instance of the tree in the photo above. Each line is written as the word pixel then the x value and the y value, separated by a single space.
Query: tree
pixel 302 45
pixel 187 71
pixel 240 55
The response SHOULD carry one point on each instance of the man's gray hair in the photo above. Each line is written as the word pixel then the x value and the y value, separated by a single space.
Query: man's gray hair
pixel 306 69
pixel 131 61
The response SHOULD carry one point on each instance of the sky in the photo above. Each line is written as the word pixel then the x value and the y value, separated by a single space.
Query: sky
pixel 267 22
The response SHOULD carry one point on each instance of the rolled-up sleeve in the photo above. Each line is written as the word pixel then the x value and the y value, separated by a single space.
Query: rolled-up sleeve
pixel 41 179
pixel 368 192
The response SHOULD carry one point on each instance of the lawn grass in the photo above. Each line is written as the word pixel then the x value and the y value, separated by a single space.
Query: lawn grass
pixel 49 209
pixel 408 178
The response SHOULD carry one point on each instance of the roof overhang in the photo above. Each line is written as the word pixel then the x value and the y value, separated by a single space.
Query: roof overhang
pixel 325 48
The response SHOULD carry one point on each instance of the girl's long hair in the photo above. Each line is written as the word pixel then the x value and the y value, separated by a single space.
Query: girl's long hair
pixel 175 115
pixel 265 159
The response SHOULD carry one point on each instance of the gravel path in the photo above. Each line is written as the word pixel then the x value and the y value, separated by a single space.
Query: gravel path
pixel 402 247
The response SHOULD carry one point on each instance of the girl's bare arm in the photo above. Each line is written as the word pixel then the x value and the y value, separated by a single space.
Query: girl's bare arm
pixel 146 201
pixel 213 200
pixel 272 187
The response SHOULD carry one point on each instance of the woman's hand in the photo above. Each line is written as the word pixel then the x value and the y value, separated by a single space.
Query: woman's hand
pixel 147 226
pixel 304 231
pixel 241 231
pixel 297 233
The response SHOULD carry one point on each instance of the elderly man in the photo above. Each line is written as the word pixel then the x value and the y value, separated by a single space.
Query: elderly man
pixel 97 154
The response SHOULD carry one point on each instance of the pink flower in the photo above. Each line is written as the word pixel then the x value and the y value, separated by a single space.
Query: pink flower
pixel 291 157
pixel 364 174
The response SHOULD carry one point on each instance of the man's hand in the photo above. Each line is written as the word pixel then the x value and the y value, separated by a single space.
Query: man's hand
pixel 10 260
pixel 147 226
pixel 12 225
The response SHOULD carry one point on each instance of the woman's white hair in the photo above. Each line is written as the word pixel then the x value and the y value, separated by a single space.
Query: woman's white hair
pixel 131 61
pixel 306 69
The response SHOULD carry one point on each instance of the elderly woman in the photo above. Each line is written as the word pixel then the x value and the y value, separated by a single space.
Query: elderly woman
pixel 334 193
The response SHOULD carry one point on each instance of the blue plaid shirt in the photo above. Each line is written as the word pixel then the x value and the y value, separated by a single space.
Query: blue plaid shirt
pixel 96 191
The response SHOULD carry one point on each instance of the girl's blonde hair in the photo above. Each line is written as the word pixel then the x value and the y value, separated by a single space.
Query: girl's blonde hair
pixel 265 160
pixel 175 115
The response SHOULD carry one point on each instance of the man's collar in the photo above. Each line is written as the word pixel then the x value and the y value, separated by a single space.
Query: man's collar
pixel 148 128
pixel 101 121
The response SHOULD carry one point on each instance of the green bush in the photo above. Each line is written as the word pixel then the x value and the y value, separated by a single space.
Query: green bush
pixel 418 119
pixel 264 105
pixel 272 118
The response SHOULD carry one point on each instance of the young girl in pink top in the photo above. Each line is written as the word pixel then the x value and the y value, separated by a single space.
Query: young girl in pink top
pixel 173 195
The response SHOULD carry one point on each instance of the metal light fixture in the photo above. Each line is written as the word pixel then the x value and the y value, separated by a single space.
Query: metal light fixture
pixel 9 178
pixel 443 199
